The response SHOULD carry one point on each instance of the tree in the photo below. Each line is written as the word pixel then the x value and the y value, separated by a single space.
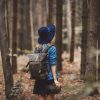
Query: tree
pixel 50 12
pixel 59 4
pixel 73 31
pixel 7 20
pixel 28 33
pixel 14 38
pixel 44 12
pixel 21 18
pixel 98 36
pixel 31 21
pixel 7 70
pixel 0 40
pixel 69 30
pixel 84 38
pixel 35 19
pixel 10 21
pixel 39 12
pixel 24 28
pixel 90 74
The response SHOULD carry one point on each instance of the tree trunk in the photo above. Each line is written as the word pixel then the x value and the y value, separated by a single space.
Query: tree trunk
pixel 7 21
pixel 28 26
pixel 39 12
pixel 21 31
pixel 24 29
pixel 69 30
pixel 0 40
pixel 90 74
pixel 35 19
pixel 10 21
pixel 31 21
pixel 59 4
pixel 50 11
pixel 84 38
pixel 24 23
pixel 14 38
pixel 98 32
pixel 54 12
pixel 7 70
pixel 73 31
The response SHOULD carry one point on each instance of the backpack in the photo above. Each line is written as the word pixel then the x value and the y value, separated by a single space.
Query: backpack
pixel 38 63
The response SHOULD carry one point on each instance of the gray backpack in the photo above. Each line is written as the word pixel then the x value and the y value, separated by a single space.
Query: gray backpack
pixel 38 63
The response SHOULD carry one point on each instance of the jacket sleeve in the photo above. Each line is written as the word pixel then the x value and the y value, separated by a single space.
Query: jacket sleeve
pixel 52 55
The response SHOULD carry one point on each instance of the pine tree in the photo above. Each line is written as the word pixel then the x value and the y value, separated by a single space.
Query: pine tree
pixel 7 70
pixel 59 4
pixel 98 36
pixel 72 45
pixel 90 74
pixel 50 12
pixel 69 28
pixel 84 38
pixel 14 38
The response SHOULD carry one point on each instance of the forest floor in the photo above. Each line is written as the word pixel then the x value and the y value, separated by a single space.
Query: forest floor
pixel 72 87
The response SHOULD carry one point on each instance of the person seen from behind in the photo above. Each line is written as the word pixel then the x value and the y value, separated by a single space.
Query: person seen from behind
pixel 47 88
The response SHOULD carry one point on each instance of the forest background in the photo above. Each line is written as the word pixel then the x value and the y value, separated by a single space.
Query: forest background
pixel 77 41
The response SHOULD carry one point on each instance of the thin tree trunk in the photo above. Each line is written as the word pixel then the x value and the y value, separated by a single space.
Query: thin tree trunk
pixel 39 13
pixel 43 14
pixel 10 21
pixel 54 12
pixel 44 19
pixel 31 22
pixel 84 38
pixel 28 27
pixel 90 74
pixel 21 25
pixel 59 4
pixel 73 31
pixel 7 20
pixel 50 11
pixel 26 23
pixel 35 19
pixel 7 70
pixel 0 41
pixel 98 32
pixel 69 30
pixel 14 38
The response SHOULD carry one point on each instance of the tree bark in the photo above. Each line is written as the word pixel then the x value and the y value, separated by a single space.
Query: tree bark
pixel 28 26
pixel 73 31
pixel 21 31
pixel 7 21
pixel 7 70
pixel 59 4
pixel 39 12
pixel 14 38
pixel 10 21
pixel 84 38
pixel 35 20
pixel 69 30
pixel 50 12
pixel 98 32
pixel 90 74
pixel 31 22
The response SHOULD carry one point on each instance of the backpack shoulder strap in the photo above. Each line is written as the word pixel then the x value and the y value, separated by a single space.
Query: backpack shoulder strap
pixel 48 48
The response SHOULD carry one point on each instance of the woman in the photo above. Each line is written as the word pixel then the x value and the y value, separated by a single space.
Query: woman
pixel 50 86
